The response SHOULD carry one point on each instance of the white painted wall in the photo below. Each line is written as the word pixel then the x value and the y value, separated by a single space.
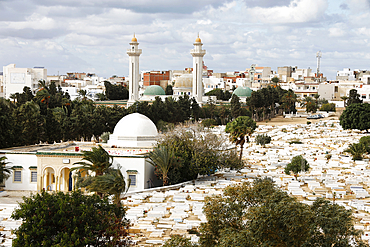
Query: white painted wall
pixel 24 160
pixel 144 171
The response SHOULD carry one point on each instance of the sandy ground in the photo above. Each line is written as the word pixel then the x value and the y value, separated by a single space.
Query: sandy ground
pixel 280 120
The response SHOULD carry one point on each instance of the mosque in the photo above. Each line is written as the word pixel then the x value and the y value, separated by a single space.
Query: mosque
pixel 48 167
pixel 191 84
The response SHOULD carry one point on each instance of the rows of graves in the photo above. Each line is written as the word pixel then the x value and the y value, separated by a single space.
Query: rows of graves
pixel 156 215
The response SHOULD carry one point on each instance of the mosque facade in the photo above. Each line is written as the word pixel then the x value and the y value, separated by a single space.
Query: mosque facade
pixel 48 167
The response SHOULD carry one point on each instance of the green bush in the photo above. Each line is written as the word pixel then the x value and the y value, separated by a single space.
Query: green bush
pixel 328 107
pixel 263 139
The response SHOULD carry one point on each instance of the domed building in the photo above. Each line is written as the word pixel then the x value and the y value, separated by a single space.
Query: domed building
pixel 134 130
pixel 154 90
pixel 183 85
pixel 243 92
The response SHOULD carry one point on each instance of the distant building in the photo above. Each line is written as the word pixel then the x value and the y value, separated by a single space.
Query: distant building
pixel 345 75
pixel 159 78
pixel 15 79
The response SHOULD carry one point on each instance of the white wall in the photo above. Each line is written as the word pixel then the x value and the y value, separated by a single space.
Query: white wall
pixel 24 160
pixel 15 79
pixel 143 168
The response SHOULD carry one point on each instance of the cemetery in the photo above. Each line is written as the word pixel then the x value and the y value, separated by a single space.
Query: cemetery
pixel 157 213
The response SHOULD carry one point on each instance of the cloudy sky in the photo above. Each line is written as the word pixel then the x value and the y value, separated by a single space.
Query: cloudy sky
pixel 93 35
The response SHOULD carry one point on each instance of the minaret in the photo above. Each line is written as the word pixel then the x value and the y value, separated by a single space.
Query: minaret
pixel 198 55
pixel 134 74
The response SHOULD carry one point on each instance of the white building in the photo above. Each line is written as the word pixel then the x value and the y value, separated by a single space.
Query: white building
pixel 346 75
pixel 48 167
pixel 300 74
pixel 15 79
pixel 213 83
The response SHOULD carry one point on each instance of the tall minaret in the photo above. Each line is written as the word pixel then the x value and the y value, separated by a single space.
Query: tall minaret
pixel 134 74
pixel 198 55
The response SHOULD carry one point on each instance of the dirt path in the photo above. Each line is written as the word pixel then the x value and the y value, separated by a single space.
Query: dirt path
pixel 280 120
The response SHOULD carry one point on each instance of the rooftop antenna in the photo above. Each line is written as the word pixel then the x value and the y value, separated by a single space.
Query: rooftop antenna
pixel 318 56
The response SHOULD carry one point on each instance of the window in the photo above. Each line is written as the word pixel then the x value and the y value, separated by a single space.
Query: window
pixel 133 179
pixel 17 176
pixel 33 176
pixel 363 96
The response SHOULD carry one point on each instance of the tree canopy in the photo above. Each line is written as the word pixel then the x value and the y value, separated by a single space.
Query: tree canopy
pixel 260 214
pixel 240 129
pixel 196 150
pixel 73 219
pixel 296 165
pixel 356 116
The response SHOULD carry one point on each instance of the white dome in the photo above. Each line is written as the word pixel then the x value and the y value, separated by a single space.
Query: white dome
pixel 134 130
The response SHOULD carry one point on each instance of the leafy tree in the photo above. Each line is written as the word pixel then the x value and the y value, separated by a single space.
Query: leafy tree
pixel 74 219
pixel 328 107
pixel 275 79
pixel 296 165
pixel 209 122
pixel 357 150
pixel 7 124
pixel 356 116
pixel 197 151
pixel 101 96
pixel 115 92
pixel 240 129
pixel 220 94
pixel 30 122
pixel 260 214
pixel 353 98
pixel 235 106
pixel 162 158
pixel 288 101
pixel 178 241
pixel 82 93
pixel 334 226
pixel 195 109
pixel 366 141
pixel 169 90
pixel 263 139
pixel 4 170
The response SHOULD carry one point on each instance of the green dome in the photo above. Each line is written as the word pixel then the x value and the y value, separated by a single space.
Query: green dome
pixel 243 92
pixel 154 90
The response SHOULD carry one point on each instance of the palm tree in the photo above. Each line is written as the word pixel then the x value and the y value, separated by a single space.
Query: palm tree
pixel 357 150
pixel 344 98
pixel 82 93
pixel 4 171
pixel 98 159
pixel 162 158
pixel 289 99
pixel 240 129
pixel 111 183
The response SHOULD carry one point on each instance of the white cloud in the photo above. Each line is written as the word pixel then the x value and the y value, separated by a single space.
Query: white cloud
pixel 298 11
pixel 94 35
pixel 336 32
